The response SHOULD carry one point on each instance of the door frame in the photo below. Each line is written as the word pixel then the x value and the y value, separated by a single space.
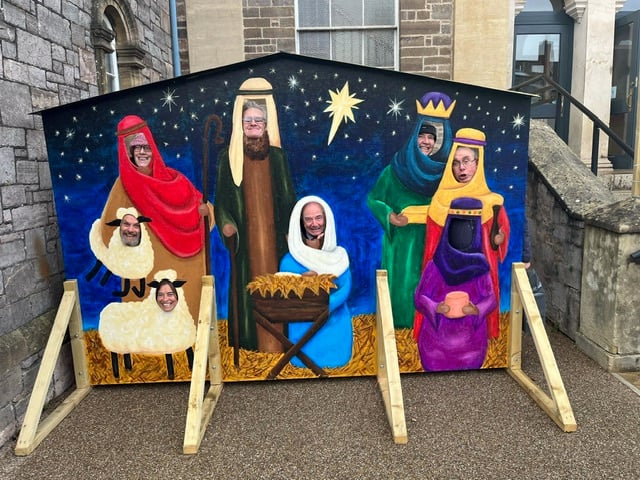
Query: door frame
pixel 551 23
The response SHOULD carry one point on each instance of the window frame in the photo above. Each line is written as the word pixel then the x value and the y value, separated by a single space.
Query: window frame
pixel 394 27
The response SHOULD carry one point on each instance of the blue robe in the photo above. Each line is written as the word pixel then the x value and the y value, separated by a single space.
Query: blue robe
pixel 331 346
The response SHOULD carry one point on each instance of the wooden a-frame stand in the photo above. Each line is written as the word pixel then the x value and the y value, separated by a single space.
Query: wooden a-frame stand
pixel 207 353
pixel 200 411
pixel 68 315
pixel 557 405
pixel 388 368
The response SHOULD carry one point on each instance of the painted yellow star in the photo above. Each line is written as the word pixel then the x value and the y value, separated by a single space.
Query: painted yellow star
pixel 341 106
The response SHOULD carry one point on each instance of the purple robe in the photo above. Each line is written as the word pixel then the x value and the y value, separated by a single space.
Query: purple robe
pixel 453 343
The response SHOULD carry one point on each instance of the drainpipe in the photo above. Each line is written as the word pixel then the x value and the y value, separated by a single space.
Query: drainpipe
pixel 635 184
pixel 175 47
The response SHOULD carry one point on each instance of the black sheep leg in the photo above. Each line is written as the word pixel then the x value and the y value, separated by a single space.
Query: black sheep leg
pixel 170 373
pixel 190 357
pixel 114 365
pixel 127 361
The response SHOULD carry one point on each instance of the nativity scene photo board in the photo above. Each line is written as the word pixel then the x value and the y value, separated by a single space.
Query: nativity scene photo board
pixel 292 181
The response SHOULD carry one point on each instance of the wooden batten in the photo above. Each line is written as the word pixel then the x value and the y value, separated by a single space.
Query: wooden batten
pixel 207 351
pixel 388 369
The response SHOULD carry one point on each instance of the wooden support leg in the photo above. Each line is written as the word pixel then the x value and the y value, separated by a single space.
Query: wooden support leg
pixel 557 405
pixel 33 431
pixel 207 348
pixel 388 369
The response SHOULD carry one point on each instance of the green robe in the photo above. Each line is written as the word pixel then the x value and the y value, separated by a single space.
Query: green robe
pixel 402 247
pixel 229 208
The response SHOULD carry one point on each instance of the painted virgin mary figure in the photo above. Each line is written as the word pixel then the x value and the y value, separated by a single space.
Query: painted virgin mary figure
pixel 313 250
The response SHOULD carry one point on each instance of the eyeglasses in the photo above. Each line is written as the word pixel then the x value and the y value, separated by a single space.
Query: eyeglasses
pixel 464 163
pixel 254 119
pixel 142 148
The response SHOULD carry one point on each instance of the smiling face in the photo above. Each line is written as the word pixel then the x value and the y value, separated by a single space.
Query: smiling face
pixel 313 220
pixel 130 231
pixel 141 155
pixel 167 297
pixel 426 142
pixel 253 122
pixel 465 164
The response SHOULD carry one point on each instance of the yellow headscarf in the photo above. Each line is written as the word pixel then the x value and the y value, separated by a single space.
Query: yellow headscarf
pixel 450 188
pixel 256 88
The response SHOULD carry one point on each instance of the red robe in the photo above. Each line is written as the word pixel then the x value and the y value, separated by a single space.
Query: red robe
pixel 434 232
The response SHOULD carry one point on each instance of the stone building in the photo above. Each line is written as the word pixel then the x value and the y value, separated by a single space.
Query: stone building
pixel 55 52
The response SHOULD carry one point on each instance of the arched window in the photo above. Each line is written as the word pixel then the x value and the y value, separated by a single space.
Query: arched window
pixel 112 79
pixel 119 57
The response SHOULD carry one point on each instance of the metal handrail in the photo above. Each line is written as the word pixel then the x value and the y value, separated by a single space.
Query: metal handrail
pixel 597 123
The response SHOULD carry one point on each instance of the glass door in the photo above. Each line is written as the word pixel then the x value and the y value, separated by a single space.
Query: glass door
pixel 624 88
pixel 543 46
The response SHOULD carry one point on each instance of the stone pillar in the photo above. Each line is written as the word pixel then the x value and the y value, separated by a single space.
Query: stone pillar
pixel 609 322
pixel 222 44
pixel 591 73
pixel 483 42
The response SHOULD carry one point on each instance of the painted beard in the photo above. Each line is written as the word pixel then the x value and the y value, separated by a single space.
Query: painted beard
pixel 256 148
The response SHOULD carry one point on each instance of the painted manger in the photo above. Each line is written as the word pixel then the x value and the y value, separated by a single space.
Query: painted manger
pixel 281 299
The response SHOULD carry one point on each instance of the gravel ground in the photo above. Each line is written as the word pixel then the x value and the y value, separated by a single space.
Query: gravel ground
pixel 461 425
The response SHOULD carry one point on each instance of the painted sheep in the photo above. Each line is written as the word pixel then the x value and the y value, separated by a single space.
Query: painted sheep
pixel 129 253
pixel 144 328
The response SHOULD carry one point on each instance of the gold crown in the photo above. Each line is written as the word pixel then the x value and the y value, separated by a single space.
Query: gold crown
pixel 438 110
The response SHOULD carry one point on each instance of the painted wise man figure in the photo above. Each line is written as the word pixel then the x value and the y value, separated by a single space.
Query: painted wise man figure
pixel 254 198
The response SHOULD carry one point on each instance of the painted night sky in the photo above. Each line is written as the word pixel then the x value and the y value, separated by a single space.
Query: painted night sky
pixel 340 125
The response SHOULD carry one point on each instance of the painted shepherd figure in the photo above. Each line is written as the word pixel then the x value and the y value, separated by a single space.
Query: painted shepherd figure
pixel 254 195
pixel 166 197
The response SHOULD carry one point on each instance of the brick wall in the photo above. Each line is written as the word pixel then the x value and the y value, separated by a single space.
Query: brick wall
pixel 269 27
pixel 46 60
pixel 426 37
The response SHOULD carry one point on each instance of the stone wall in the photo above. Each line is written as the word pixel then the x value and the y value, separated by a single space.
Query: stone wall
pixel 269 27
pixel 610 325
pixel 561 191
pixel 426 37
pixel 46 60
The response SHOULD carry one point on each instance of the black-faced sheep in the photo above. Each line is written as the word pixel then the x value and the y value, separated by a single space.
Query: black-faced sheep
pixel 142 327
pixel 126 261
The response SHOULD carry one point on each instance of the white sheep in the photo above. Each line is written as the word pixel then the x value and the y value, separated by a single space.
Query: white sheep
pixel 128 262
pixel 142 327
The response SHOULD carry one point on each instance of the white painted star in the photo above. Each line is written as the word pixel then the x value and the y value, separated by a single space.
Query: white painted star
pixel 518 121
pixel 169 98
pixel 395 107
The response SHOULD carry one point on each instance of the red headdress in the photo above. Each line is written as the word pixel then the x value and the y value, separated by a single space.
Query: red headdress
pixel 164 195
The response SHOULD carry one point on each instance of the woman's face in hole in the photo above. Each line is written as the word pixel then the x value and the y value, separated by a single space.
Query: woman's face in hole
pixel 166 298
